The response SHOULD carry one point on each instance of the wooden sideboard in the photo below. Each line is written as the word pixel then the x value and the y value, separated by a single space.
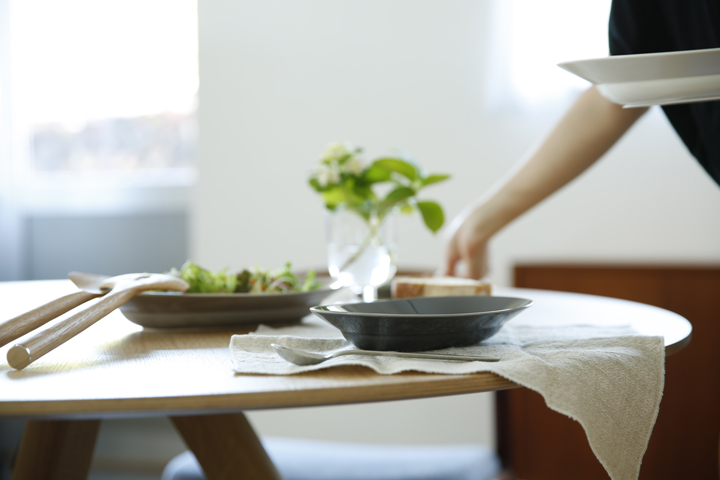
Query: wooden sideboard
pixel 537 443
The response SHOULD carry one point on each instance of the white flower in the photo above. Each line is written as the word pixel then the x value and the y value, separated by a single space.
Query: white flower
pixel 335 151
pixel 328 174
pixel 354 166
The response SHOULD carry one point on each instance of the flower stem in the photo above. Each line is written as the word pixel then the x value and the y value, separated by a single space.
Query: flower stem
pixel 373 225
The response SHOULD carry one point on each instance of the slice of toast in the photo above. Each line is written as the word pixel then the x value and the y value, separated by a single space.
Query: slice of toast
pixel 407 287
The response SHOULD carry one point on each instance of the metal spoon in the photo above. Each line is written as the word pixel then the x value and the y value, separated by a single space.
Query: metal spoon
pixel 302 357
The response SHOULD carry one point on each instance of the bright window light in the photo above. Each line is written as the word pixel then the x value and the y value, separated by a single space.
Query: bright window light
pixel 532 37
pixel 106 85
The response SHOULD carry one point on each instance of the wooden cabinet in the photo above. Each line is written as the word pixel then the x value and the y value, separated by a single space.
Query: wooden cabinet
pixel 539 444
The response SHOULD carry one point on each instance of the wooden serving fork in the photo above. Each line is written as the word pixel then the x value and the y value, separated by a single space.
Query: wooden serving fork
pixel 116 291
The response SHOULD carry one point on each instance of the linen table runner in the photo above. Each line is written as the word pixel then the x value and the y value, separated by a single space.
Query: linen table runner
pixel 607 378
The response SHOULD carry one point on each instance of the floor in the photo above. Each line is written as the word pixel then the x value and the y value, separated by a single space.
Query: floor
pixel 121 476
pixel 136 449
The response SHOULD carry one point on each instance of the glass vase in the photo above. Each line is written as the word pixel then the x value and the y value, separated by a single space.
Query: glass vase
pixel 361 253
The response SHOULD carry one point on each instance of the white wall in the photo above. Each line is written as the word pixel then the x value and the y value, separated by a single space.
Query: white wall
pixel 281 78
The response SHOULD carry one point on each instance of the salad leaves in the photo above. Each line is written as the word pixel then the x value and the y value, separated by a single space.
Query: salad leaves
pixel 255 280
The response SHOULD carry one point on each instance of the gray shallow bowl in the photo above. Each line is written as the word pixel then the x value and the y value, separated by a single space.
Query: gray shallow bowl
pixel 208 310
pixel 417 324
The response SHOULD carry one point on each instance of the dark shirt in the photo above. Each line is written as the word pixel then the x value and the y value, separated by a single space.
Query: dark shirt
pixel 649 26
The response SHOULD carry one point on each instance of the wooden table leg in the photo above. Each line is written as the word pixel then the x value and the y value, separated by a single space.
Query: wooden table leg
pixel 56 450
pixel 226 447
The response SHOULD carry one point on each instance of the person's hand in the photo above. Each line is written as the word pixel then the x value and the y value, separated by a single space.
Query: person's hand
pixel 591 126
pixel 467 244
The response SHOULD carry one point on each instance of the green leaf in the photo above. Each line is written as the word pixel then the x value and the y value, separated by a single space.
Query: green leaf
pixel 430 179
pixel 310 282
pixel 432 214
pixel 396 196
pixel 333 197
pixel 205 281
pixel 315 184
pixel 397 165
pixel 400 193
pixel 342 160
pixel 407 209
pixel 363 193
pixel 375 174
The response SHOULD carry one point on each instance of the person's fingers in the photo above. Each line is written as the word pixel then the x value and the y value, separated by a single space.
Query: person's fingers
pixel 474 255
pixel 476 266
pixel 468 258
pixel 451 259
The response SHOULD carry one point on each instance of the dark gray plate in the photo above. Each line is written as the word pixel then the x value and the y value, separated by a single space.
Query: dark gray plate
pixel 213 310
pixel 417 324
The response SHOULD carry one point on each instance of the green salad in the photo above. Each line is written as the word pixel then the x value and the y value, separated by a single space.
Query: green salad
pixel 255 280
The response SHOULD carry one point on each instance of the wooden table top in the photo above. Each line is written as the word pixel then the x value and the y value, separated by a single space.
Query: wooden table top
pixel 115 368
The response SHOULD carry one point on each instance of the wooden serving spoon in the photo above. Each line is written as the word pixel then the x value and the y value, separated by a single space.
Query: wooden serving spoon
pixel 89 285
pixel 121 289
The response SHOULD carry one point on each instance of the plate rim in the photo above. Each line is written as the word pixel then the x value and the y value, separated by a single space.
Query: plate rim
pixel 673 101
pixel 647 55
pixel 577 67
pixel 317 309
pixel 234 295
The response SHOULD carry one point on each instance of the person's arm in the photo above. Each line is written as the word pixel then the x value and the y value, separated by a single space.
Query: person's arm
pixel 591 126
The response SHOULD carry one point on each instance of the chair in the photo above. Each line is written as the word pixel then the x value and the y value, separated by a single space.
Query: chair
pixel 298 459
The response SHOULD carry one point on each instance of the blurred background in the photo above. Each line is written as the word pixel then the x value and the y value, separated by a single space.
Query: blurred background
pixel 137 134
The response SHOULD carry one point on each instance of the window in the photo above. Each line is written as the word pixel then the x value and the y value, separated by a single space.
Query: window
pixel 104 91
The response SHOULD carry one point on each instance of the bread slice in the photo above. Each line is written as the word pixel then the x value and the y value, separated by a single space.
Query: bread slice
pixel 407 287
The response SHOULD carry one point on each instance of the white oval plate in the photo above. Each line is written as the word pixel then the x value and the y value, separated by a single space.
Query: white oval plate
pixel 654 78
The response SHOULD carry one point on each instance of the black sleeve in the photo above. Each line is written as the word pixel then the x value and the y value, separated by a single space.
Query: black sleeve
pixel 637 26
pixel 650 26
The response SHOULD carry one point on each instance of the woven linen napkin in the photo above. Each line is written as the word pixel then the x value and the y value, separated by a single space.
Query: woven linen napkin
pixel 607 378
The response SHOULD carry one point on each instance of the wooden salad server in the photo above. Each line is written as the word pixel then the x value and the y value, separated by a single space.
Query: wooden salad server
pixel 120 289
pixel 89 285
